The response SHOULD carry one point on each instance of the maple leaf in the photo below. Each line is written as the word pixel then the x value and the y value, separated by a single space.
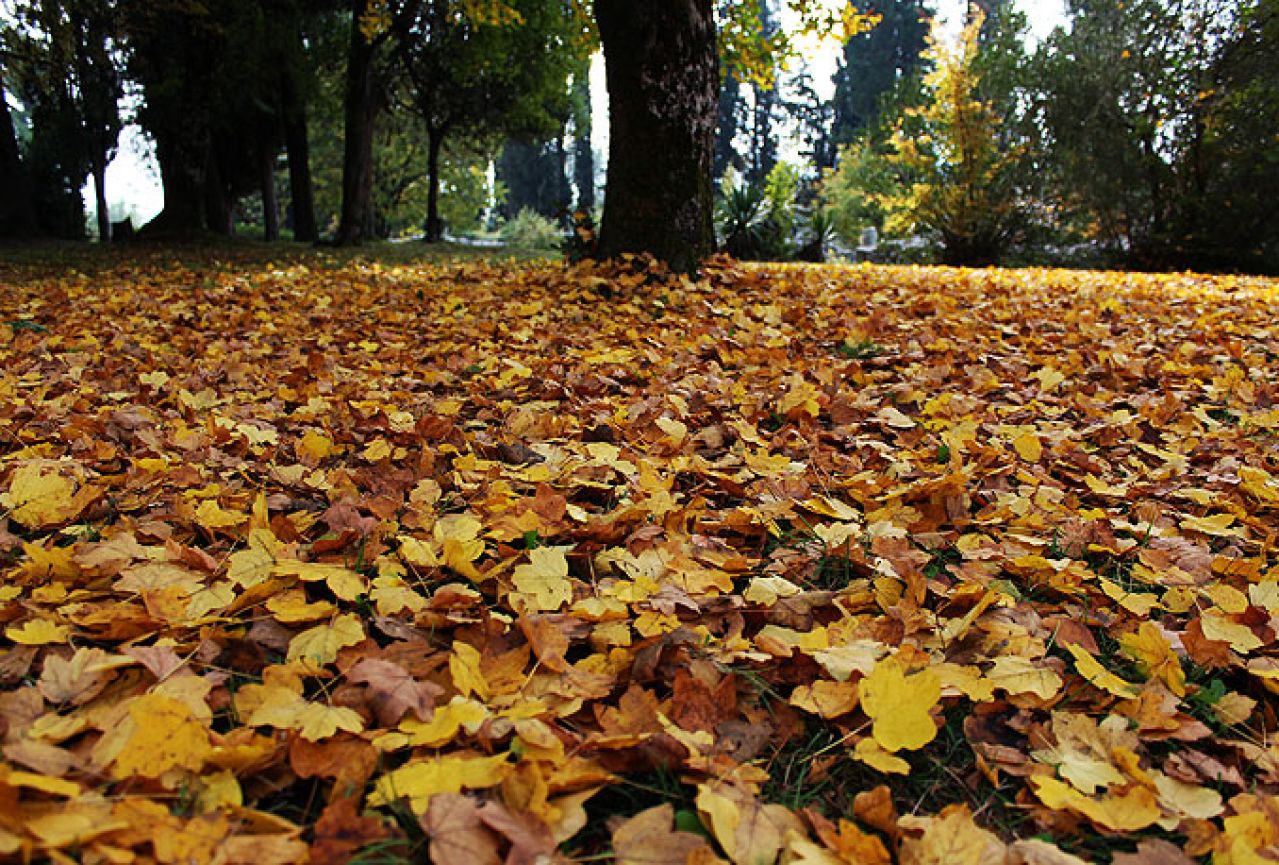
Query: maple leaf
pixel 394 691
pixel 648 838
pixel 320 645
pixel 421 780
pixel 542 585
pixel 42 495
pixel 899 704
pixel 161 734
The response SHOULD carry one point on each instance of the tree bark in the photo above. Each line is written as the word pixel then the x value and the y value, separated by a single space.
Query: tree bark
pixel 583 157
pixel 434 225
pixel 98 160
pixel 663 85
pixel 357 157
pixel 297 143
pixel 17 216
pixel 183 163
pixel 270 202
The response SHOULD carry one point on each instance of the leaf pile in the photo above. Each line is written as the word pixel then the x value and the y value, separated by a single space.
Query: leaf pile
pixel 523 563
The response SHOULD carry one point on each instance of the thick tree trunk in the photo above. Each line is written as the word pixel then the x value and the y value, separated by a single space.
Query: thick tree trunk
pixel 183 163
pixel 270 202
pixel 17 216
pixel 298 145
pixel 434 225
pixel 98 159
pixel 219 204
pixel 357 157
pixel 663 87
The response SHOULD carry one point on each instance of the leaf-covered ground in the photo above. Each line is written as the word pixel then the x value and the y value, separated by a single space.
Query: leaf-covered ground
pixel 491 562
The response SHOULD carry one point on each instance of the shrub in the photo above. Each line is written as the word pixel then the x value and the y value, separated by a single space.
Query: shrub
pixel 531 232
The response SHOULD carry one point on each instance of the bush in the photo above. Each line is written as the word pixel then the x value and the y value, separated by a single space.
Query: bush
pixel 529 231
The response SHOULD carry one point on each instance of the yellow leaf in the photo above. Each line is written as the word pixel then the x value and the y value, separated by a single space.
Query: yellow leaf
pixel 1217 525
pixel 419 781
pixel 458 538
pixel 543 584
pixel 218 790
pixel 443 727
pixel 251 566
pixel 210 515
pixel 464 667
pixel 343 582
pixel 1134 810
pixel 322 643
pixel 75 824
pixel 1137 603
pixel 952 838
pixel 1241 638
pixel 899 704
pixel 720 815
pixel 316 721
pixel 41 495
pixel 165 736
pixel 1097 675
pixel 377 450
pixel 419 555
pixel 1028 447
pixel 315 445
pixel 1182 800
pixel 869 752
pixel 42 783
pixel 1155 657
pixel 38 632
pixel 825 698
pixel 292 607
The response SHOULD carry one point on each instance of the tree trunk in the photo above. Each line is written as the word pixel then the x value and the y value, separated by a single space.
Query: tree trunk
pixel 298 145
pixel 17 216
pixel 270 203
pixel 183 164
pixel 434 225
pixel 219 204
pixel 663 86
pixel 357 156
pixel 583 157
pixel 98 160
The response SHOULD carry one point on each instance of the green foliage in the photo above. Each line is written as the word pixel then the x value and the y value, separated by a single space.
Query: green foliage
pixel 780 190
pixel 1160 119
pixel 755 221
pixel 529 231
pixel 853 192
pixel 954 172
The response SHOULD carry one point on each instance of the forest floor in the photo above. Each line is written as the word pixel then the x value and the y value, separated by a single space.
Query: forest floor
pixel 307 557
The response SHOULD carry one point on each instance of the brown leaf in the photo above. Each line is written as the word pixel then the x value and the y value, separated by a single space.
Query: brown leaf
pixel 393 691
pixel 649 838
pixel 457 835
pixel 341 830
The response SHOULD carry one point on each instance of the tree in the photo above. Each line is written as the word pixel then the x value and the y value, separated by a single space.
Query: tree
pixel 368 32
pixel 533 173
pixel 875 61
pixel 662 68
pixel 954 174
pixel 663 83
pixel 583 153
pixel 1156 114
pixel 62 53
pixel 17 216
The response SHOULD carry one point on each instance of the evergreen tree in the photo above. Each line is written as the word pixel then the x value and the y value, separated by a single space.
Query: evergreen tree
pixel 875 61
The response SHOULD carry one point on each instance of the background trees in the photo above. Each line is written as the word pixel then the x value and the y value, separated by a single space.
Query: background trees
pixel 1141 133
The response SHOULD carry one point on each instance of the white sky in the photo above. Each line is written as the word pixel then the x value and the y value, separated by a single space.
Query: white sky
pixel 133 184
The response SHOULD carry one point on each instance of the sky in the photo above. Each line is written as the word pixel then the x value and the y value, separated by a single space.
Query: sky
pixel 133 184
